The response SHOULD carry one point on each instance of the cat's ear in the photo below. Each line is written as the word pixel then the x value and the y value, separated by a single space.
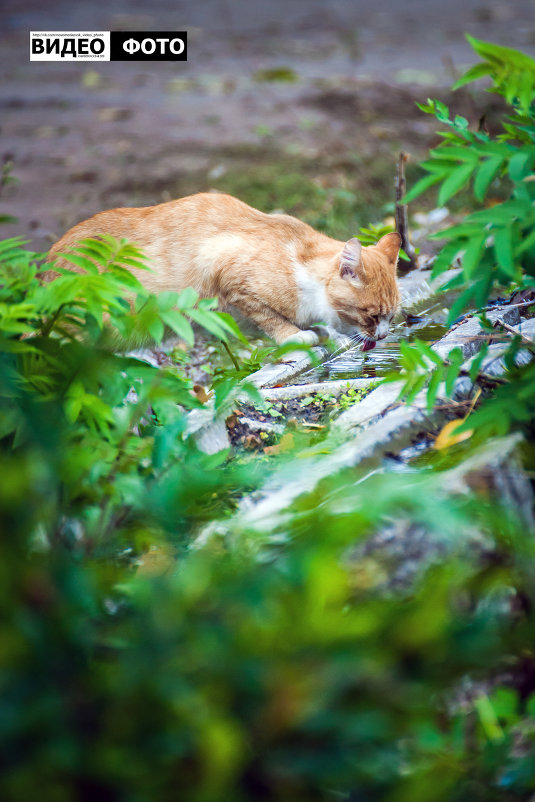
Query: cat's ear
pixel 390 245
pixel 351 267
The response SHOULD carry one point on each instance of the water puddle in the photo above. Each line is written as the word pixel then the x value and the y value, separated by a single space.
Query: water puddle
pixel 427 324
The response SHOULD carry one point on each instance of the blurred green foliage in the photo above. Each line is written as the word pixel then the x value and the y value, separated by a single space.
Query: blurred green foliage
pixel 495 245
pixel 272 670
pixel 119 422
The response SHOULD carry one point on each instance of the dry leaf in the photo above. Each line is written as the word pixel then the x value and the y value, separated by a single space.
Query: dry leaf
pixel 200 393
pixel 251 441
pixel 447 437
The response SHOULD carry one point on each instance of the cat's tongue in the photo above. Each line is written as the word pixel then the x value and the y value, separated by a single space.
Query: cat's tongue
pixel 368 344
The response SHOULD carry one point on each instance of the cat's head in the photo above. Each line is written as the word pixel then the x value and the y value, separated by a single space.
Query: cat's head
pixel 367 294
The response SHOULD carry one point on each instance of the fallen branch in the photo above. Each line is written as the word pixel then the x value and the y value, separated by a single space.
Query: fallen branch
pixel 511 330
pixel 402 216
pixel 523 305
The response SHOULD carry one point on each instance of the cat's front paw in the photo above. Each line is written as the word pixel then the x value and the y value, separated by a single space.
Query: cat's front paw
pixel 324 332
pixel 307 337
pixel 330 333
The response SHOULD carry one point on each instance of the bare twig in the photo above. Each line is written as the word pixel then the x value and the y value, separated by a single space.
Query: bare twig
pixel 490 308
pixel 523 305
pixel 402 215
pixel 511 330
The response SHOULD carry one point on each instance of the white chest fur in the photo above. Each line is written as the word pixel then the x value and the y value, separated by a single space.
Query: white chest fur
pixel 312 303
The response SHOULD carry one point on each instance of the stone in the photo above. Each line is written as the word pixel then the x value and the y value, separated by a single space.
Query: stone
pixel 418 285
pixel 334 388
pixel 469 335
pixel 392 431
pixel 281 372
pixel 526 328
pixel 395 556
pixel 254 425
pixel 209 432
pixel 493 364
pixel 369 408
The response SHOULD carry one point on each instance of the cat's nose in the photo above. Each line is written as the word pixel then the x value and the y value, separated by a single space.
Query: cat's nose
pixel 381 330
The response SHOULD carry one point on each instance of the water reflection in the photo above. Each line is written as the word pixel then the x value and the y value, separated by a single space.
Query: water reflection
pixel 384 357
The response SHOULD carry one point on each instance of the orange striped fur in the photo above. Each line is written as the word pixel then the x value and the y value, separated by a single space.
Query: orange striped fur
pixel 274 269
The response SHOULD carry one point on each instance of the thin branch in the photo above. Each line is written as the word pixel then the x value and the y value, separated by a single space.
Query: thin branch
pixel 511 330
pixel 402 215
pixel 231 355
pixel 523 305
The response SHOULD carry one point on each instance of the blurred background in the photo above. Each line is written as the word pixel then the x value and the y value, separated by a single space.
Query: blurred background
pixel 299 105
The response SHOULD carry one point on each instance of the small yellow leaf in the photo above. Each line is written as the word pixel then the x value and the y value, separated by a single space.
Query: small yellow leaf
pixel 447 437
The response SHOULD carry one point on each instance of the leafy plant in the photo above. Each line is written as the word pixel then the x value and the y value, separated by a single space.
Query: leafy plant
pixel 241 366
pixel 496 245
pixel 371 234
pixel 512 73
pixel 421 366
pixel 284 668
pixel 121 423
pixel 352 396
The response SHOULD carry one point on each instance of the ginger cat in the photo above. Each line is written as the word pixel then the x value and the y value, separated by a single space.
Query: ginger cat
pixel 274 269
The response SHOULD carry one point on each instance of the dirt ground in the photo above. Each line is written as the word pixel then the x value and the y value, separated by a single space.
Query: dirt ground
pixel 85 137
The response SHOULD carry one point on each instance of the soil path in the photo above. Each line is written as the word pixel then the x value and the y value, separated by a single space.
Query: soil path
pixel 83 137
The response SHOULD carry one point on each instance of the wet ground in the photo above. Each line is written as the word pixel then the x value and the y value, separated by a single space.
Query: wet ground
pixel 428 322
pixel 321 143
